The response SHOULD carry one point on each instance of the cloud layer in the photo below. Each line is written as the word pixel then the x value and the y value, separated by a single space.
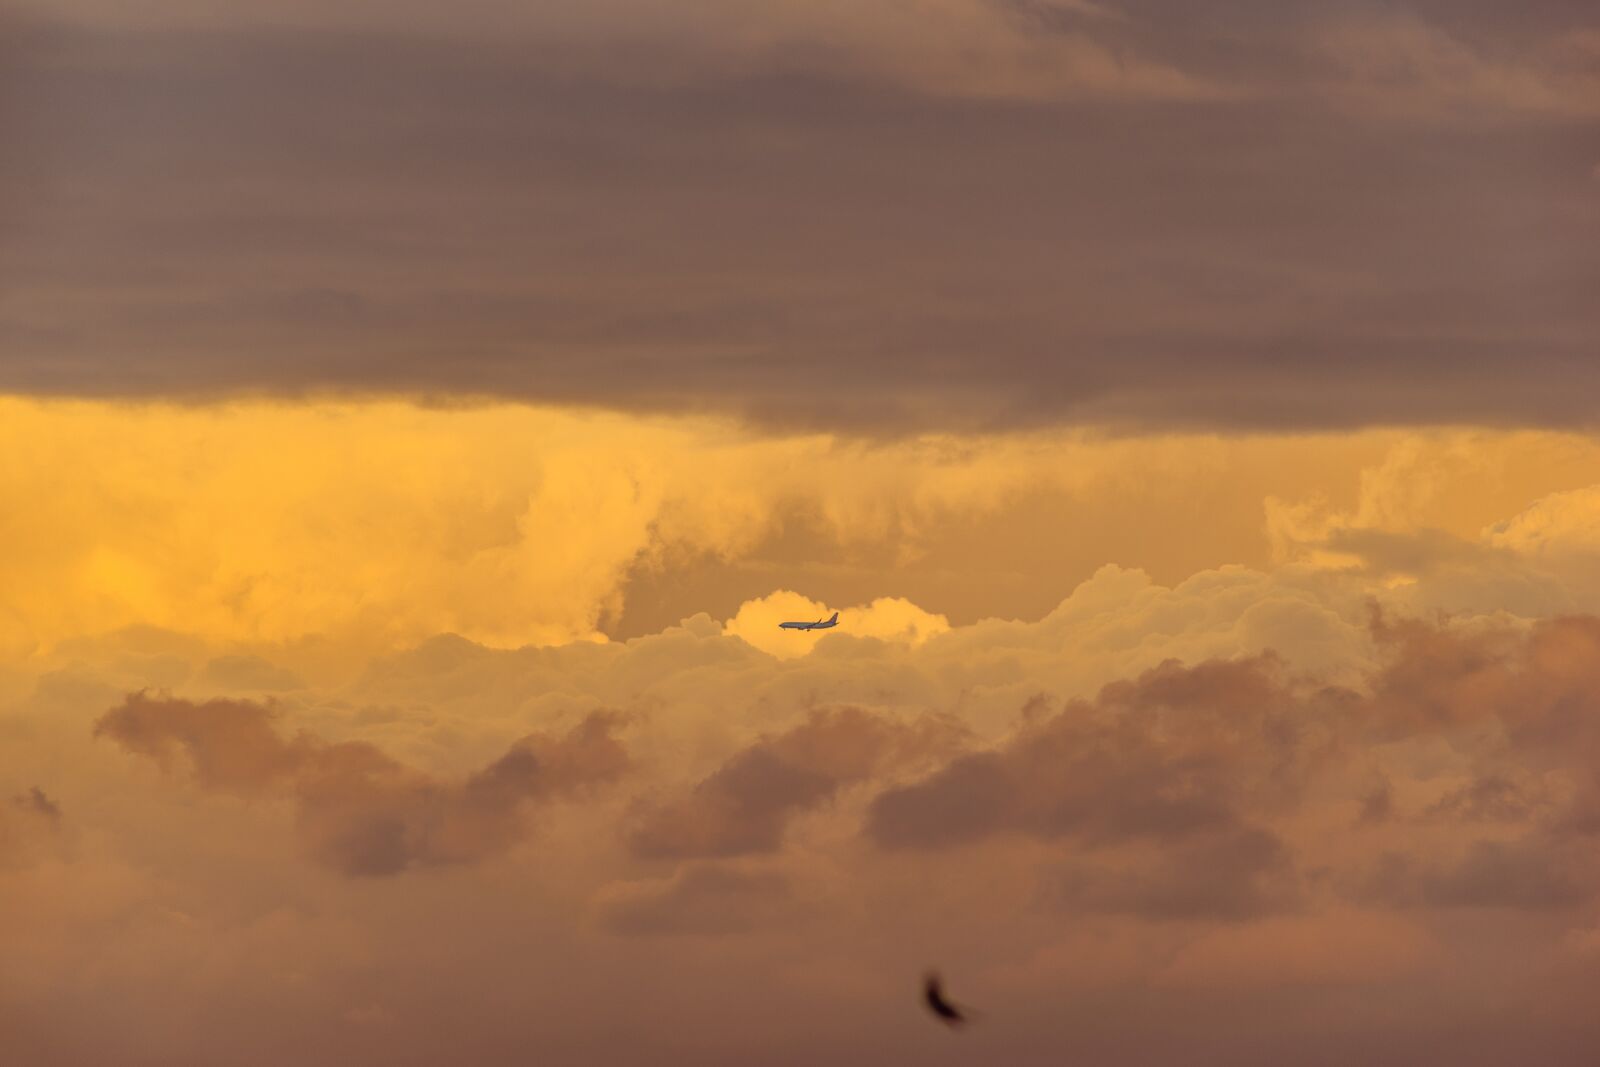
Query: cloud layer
pixel 313 748
pixel 304 539
pixel 361 812
pixel 941 214
pixel 1408 832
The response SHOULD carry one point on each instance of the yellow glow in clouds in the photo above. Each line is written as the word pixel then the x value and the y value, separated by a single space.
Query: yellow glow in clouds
pixel 386 523
pixel 377 524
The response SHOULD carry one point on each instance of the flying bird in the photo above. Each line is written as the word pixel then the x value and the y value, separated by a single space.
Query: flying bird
pixel 933 995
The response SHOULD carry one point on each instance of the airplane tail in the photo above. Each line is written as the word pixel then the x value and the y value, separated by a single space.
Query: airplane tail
pixel 834 619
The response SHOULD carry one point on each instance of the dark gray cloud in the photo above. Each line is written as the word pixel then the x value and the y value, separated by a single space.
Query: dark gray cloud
pixel 1384 216
pixel 359 811
pixel 746 804
pixel 1174 755
pixel 1175 793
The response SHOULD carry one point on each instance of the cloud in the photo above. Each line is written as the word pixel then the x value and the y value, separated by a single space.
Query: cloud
pixel 1486 797
pixel 699 900
pixel 1166 757
pixel 1229 875
pixel 1403 66
pixel 359 811
pixel 1565 522
pixel 510 526
pixel 746 804
pixel 36 803
pixel 876 219
pixel 514 526
pixel 1524 686
pixel 1183 793
pixel 1192 830
pixel 29 829
pixel 251 673
pixel 364 815
pixel 1273 790
pixel 944 48
pixel 231 744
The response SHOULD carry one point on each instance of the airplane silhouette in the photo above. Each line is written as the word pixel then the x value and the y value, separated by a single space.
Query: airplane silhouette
pixel 818 625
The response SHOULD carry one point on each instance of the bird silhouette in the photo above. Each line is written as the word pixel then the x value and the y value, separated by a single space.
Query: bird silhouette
pixel 933 996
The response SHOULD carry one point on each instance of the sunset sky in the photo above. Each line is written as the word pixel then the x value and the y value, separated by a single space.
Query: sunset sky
pixel 416 418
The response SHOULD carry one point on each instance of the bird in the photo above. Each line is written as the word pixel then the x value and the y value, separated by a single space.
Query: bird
pixel 933 995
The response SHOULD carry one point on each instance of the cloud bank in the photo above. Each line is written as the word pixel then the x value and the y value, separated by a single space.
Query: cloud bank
pixel 360 811
pixel 880 219
pixel 1035 806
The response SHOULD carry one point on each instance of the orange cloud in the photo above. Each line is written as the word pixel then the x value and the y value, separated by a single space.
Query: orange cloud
pixel 746 804
pixel 359 811
pixel 1187 833
pixel 1252 783
pixel 263 526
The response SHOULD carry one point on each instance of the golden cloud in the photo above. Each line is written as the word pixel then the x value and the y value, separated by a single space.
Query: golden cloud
pixel 1256 781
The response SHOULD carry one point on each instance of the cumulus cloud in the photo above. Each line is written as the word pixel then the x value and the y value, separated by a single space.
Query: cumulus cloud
pixel 1196 827
pixel 1171 755
pixel 1251 785
pixel 1185 793
pixel 510 525
pixel 1565 522
pixel 746 804
pixel 358 810
pixel 514 526
pixel 231 744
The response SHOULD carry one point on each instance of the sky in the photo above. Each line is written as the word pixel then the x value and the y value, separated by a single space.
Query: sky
pixel 415 420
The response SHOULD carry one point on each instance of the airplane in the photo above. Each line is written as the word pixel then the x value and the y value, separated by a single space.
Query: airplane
pixel 818 625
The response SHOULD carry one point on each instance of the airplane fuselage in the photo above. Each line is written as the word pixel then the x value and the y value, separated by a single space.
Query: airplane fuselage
pixel 820 624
